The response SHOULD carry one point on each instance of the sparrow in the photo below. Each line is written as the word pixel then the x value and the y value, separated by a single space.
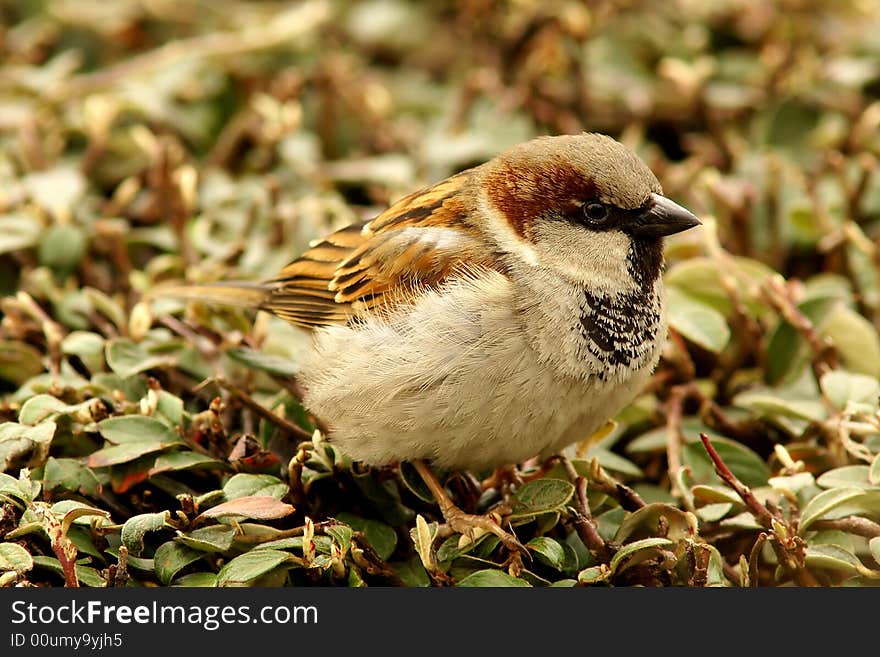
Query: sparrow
pixel 503 313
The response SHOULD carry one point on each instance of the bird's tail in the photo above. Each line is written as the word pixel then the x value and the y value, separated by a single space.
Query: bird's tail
pixel 242 294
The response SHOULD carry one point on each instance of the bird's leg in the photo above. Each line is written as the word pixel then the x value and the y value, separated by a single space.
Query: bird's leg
pixel 505 479
pixel 458 520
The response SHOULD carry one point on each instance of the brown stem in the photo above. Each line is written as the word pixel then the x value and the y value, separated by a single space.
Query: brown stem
pixel 779 296
pixel 288 427
pixel 625 496
pixel 850 525
pixel 298 392
pixel 763 516
pixel 584 524
pixel 674 435
pixel 204 344
pixel 788 547
pixel 369 560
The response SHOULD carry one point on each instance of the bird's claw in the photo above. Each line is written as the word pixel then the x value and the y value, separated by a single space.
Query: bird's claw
pixel 466 524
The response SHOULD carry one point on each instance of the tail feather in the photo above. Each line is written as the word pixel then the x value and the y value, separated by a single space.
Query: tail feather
pixel 241 294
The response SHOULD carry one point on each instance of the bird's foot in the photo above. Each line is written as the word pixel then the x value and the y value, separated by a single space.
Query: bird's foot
pixel 503 479
pixel 473 526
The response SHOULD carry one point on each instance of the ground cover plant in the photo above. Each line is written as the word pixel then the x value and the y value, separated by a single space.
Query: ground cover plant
pixel 155 442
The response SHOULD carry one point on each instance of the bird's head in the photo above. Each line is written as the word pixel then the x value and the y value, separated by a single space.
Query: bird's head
pixel 584 205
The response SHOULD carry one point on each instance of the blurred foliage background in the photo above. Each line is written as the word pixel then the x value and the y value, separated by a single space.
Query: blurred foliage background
pixel 161 443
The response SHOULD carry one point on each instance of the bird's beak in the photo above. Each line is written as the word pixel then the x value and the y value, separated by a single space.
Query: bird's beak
pixel 663 217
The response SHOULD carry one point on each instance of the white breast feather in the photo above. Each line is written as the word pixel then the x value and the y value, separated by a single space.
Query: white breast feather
pixel 456 379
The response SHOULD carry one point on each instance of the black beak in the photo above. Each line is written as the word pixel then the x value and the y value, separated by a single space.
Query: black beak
pixel 663 217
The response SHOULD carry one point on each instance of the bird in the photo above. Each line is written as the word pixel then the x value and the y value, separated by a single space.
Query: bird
pixel 503 313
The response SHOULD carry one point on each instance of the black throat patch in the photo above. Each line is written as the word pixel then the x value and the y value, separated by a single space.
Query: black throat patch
pixel 620 330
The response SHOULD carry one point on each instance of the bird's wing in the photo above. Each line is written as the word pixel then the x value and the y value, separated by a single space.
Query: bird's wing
pixel 413 245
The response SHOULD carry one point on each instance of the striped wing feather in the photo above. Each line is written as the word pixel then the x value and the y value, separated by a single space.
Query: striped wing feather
pixel 415 244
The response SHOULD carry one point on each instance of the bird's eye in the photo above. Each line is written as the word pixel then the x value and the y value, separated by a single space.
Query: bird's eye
pixel 595 212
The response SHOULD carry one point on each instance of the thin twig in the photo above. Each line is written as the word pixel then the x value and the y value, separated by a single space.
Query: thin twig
pixel 850 525
pixel 288 27
pixel 778 295
pixel 52 330
pixel 205 345
pixel 763 516
pixel 294 431
pixel 789 548
pixel 674 435
pixel 584 524
pixel 625 496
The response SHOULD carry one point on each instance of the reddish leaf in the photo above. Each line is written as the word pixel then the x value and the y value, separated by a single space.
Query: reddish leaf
pixel 260 507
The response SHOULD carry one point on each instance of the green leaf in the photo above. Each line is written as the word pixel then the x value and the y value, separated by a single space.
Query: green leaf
pixel 249 485
pixel 698 322
pixel 123 453
pixel 384 497
pixel 541 496
pixel 19 361
pixel 594 574
pixel 379 535
pixel 15 557
pixel 413 481
pixel 263 362
pixel 855 340
pixel 715 494
pixel 786 350
pixel 700 279
pixel 136 428
pixel 21 489
pixel 743 462
pixel 62 247
pixel 824 503
pixel 70 475
pixel 637 552
pixel 770 403
pixel 841 387
pixel 793 483
pixel 412 573
pixel 74 511
pixel 217 538
pixel 171 557
pixel 490 578
pixel 136 527
pixel 341 534
pixel 86 575
pixel 125 357
pixel 874 471
pixel 714 512
pixel 251 565
pixel 874 546
pixel 616 463
pixel 38 408
pixel 648 521
pixel 170 407
pixel 83 344
pixel 18 441
pixel 173 461
pixel 133 436
pixel 831 557
pixel 197 580
pixel 548 551
pixel 848 476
